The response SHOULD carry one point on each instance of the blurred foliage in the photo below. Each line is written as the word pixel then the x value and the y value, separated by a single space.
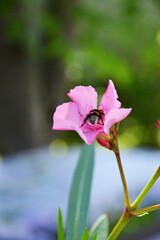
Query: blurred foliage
pixel 100 40
pixel 140 227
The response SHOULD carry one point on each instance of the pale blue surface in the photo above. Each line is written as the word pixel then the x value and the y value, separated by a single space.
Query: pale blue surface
pixel 34 184
pixel 157 237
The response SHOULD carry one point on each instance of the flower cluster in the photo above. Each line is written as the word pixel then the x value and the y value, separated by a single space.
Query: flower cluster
pixel 83 116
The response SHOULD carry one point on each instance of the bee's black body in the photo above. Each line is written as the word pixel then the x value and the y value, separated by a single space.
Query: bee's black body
pixel 94 117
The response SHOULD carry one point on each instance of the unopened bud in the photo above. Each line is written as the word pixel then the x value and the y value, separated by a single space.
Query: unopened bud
pixel 104 143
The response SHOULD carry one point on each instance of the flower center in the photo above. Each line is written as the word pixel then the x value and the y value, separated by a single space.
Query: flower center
pixel 93 119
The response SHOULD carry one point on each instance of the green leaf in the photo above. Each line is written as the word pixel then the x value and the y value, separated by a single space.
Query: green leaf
pixel 80 194
pixel 101 226
pixel 85 235
pixel 60 226
pixel 75 230
pixel 95 236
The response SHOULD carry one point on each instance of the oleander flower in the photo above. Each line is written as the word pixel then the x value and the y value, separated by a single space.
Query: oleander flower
pixel 81 115
pixel 158 123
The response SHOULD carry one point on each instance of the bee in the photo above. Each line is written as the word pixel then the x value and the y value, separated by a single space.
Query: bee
pixel 95 116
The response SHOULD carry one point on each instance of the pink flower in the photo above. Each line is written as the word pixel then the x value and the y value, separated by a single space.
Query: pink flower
pixel 82 114
pixel 158 124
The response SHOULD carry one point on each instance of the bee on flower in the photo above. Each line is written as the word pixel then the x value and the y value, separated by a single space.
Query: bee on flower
pixel 83 116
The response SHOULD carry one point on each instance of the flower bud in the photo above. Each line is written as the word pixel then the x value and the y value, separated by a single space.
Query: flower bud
pixel 104 143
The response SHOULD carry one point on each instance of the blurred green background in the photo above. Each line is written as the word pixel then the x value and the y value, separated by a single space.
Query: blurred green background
pixel 48 47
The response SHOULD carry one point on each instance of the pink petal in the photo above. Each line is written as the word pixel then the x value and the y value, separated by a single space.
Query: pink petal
pixel 66 117
pixel 89 135
pixel 85 98
pixel 115 115
pixel 109 99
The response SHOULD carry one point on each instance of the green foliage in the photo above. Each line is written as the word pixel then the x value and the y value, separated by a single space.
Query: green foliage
pixel 136 226
pixel 95 237
pixel 118 40
pixel 101 228
pixel 56 45
pixel 6 6
pixel 60 226
pixel 85 235
pixel 80 195
pixel 121 40
pixel 16 30
pixel 75 229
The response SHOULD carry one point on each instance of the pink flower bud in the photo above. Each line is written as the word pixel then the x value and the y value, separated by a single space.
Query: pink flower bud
pixel 158 123
pixel 104 143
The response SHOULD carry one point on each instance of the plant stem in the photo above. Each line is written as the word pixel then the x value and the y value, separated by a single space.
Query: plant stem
pixel 120 225
pixel 130 209
pixel 146 210
pixel 144 192
pixel 127 215
pixel 127 199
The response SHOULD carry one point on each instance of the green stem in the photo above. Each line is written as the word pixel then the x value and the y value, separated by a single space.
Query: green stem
pixel 130 209
pixel 120 225
pixel 144 192
pixel 146 210
pixel 127 199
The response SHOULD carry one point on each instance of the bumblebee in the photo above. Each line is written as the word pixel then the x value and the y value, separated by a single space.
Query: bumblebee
pixel 95 116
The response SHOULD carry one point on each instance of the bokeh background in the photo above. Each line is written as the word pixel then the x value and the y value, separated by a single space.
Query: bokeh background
pixel 48 47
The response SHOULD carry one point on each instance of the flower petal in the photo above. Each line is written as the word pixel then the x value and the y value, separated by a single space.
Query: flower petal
pixel 115 115
pixel 66 117
pixel 85 98
pixel 109 99
pixel 89 135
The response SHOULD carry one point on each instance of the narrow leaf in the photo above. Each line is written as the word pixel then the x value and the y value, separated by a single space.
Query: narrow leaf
pixel 85 235
pixel 95 236
pixel 60 226
pixel 75 230
pixel 80 194
pixel 101 226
